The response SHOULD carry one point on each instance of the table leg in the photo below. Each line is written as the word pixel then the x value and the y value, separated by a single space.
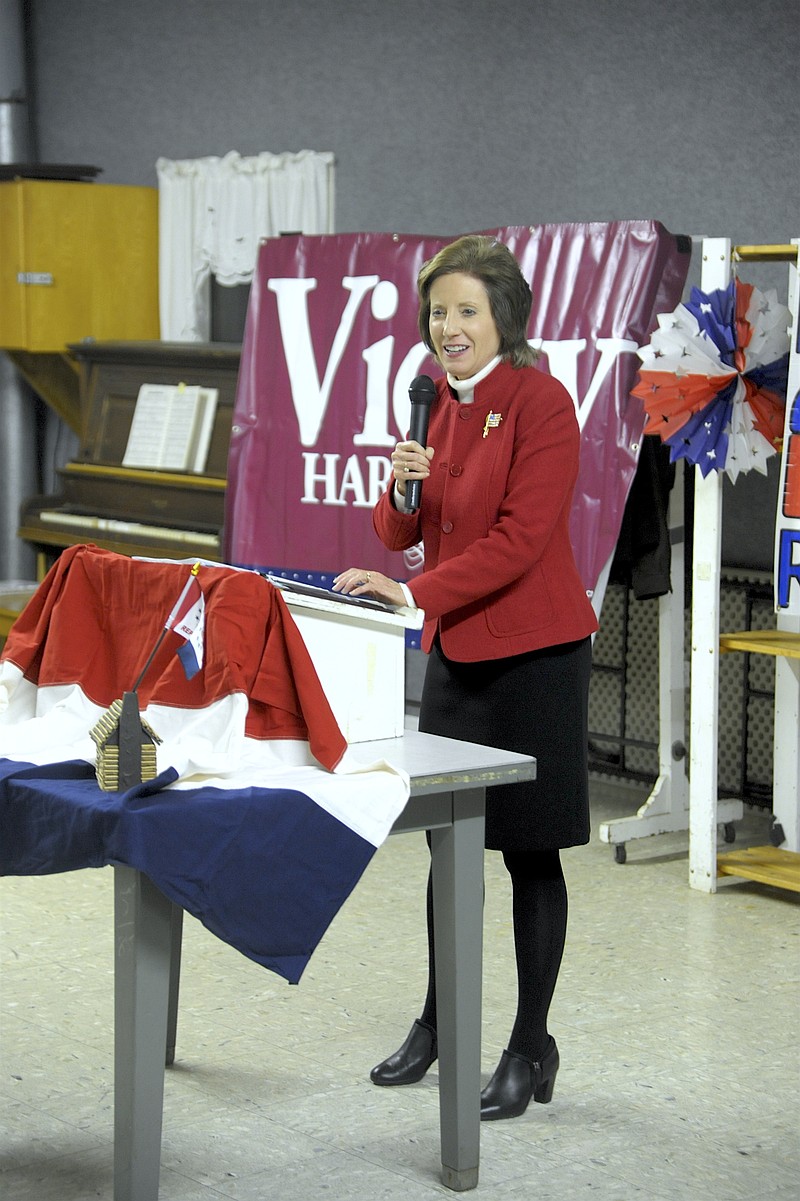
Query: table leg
pixel 176 939
pixel 457 862
pixel 143 940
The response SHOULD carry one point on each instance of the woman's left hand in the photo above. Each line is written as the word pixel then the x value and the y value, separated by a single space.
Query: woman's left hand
pixel 355 582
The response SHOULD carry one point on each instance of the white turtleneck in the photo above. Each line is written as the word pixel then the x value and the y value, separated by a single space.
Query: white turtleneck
pixel 465 388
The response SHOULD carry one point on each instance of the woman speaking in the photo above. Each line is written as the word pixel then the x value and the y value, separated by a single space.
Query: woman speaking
pixel 508 623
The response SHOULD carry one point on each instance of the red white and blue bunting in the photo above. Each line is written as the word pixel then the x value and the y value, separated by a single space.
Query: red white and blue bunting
pixel 713 379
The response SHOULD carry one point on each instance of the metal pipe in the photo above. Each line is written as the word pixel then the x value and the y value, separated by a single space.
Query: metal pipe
pixel 19 459
pixel 16 141
pixel 18 470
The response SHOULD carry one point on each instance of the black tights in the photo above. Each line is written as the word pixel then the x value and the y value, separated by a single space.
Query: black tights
pixel 540 927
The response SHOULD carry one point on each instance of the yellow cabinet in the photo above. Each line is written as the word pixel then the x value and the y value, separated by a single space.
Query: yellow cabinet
pixel 77 260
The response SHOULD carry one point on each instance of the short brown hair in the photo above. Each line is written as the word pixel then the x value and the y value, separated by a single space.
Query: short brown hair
pixel 510 298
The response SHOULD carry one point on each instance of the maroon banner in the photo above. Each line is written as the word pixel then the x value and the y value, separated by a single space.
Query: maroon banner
pixel 331 345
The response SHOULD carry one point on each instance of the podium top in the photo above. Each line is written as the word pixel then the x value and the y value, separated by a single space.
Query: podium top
pixel 300 595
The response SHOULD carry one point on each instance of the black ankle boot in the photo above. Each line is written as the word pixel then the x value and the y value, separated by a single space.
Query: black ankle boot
pixel 410 1063
pixel 516 1080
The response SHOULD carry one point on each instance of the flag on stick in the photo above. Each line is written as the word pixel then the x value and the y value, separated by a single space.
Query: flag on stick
pixel 187 619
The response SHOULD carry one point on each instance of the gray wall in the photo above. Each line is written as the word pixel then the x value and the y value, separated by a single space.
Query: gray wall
pixel 447 116
pixel 455 115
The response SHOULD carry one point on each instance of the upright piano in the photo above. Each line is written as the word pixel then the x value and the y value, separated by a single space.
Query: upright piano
pixel 132 510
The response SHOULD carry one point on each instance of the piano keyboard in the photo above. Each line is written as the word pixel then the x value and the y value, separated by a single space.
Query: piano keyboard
pixel 136 529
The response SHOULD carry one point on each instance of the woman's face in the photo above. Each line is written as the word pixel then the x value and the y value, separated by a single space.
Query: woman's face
pixel 461 325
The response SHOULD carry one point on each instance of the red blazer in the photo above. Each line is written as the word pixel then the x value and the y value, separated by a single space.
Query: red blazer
pixel 499 576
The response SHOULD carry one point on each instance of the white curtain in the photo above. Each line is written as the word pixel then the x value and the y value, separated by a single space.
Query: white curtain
pixel 212 214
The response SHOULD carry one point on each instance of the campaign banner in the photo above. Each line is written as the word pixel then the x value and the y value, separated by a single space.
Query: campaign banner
pixel 786 575
pixel 331 346
pixel 787 525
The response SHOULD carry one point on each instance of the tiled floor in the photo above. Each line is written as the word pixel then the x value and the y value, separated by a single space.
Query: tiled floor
pixel 677 1018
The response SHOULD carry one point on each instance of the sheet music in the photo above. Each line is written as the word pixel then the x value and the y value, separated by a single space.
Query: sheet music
pixel 171 427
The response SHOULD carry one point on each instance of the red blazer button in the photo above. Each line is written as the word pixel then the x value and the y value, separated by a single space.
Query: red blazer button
pixel 456 469
pixel 447 527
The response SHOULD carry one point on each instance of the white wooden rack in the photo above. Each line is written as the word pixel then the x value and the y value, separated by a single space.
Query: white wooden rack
pixel 685 794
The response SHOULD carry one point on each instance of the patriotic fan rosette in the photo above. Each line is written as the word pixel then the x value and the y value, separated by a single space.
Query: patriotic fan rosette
pixel 713 379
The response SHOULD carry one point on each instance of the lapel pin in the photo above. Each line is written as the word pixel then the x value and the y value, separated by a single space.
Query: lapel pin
pixel 492 422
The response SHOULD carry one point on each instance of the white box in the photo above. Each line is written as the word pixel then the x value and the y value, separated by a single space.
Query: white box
pixel 359 655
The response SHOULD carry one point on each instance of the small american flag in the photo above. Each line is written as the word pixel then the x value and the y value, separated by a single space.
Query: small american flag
pixel 187 619
pixel 491 423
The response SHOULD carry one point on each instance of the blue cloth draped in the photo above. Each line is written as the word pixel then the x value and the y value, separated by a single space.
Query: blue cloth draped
pixel 266 870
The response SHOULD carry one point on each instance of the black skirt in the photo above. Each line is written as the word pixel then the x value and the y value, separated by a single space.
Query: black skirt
pixel 536 704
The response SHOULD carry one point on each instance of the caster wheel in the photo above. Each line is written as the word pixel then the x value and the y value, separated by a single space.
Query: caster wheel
pixel 729 832
pixel 620 853
pixel 776 834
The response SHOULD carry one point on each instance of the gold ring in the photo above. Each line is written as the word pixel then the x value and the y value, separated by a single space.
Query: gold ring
pixel 369 577
pixel 406 470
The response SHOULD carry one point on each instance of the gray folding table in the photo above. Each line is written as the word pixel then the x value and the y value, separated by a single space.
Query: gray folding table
pixel 448 793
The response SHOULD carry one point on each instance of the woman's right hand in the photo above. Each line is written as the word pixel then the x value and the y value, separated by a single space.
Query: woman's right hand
pixel 410 461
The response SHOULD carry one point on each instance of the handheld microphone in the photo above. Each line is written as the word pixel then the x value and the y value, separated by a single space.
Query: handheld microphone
pixel 421 394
